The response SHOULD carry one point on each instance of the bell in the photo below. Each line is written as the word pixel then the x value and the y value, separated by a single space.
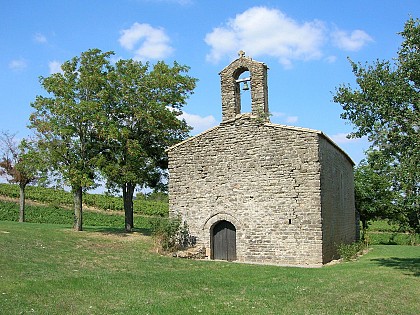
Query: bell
pixel 245 86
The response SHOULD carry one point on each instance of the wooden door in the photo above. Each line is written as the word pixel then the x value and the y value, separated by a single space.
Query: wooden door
pixel 224 241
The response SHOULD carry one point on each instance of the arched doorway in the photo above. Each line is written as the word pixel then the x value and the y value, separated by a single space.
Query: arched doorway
pixel 224 241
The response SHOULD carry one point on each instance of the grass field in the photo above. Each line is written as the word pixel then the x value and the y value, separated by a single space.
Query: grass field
pixel 50 269
pixel 382 232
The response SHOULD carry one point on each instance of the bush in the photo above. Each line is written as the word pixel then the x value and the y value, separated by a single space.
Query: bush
pixel 171 234
pixel 393 238
pixel 350 251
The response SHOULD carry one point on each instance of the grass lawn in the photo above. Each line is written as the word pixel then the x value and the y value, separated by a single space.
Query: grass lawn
pixel 50 269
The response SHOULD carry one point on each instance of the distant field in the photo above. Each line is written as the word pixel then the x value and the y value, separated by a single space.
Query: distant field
pixel 382 233
pixel 47 205
pixel 59 197
pixel 51 269
pixel 9 211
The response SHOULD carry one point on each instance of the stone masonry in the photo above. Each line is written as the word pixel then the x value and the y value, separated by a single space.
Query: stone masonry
pixel 288 191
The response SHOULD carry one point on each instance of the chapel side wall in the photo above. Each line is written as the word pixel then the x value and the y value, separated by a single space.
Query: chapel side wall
pixel 264 179
pixel 338 205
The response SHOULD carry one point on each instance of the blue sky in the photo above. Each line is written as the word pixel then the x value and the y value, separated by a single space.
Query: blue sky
pixel 304 43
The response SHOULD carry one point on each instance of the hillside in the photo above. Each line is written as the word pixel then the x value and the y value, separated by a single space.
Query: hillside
pixel 61 198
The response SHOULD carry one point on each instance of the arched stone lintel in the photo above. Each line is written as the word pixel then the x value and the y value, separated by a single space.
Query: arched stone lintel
pixel 220 216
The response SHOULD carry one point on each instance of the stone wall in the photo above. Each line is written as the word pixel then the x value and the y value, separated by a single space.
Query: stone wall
pixel 338 206
pixel 263 178
pixel 230 88
pixel 288 191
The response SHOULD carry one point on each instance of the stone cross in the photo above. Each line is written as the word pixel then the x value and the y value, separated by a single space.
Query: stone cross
pixel 241 53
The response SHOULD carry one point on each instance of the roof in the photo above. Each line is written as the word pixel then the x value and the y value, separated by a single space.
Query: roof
pixel 267 124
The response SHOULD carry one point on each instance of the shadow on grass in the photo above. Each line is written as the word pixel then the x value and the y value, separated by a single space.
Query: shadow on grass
pixel 410 265
pixel 117 231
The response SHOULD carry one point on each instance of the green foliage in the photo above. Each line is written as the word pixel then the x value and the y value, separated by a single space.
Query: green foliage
pixel 67 121
pixel 393 238
pixel 383 226
pixel 143 105
pixel 9 211
pixel 261 117
pixel 142 112
pixel 9 190
pixel 385 108
pixel 348 252
pixel 144 207
pixel 154 196
pixel 20 162
pixel 164 233
pixel 60 197
pixel 373 194
pixel 41 194
pixel 384 232
pixel 171 234
pixel 111 119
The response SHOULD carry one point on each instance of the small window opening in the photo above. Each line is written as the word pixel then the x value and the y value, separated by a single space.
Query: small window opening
pixel 290 221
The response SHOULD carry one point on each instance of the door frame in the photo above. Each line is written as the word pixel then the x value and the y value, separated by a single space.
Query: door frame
pixel 230 255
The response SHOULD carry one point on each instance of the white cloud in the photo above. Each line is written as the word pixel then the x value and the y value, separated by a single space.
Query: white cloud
pixel 292 119
pixel 341 138
pixel 55 67
pixel 353 41
pixel 18 64
pixel 331 59
pixel 223 42
pixel 262 31
pixel 40 38
pixel 199 123
pixel 285 118
pixel 146 42
pixel 277 114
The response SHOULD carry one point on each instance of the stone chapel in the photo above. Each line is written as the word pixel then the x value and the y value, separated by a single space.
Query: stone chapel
pixel 259 192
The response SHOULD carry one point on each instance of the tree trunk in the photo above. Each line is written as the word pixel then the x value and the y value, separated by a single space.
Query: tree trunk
pixel 128 191
pixel 22 203
pixel 77 199
pixel 364 229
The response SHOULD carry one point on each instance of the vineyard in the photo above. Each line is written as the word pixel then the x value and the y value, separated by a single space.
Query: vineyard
pixel 58 197
pixel 9 211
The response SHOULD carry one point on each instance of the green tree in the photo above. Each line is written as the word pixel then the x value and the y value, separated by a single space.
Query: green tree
pixel 143 108
pixel 373 192
pixel 385 108
pixel 20 163
pixel 67 121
